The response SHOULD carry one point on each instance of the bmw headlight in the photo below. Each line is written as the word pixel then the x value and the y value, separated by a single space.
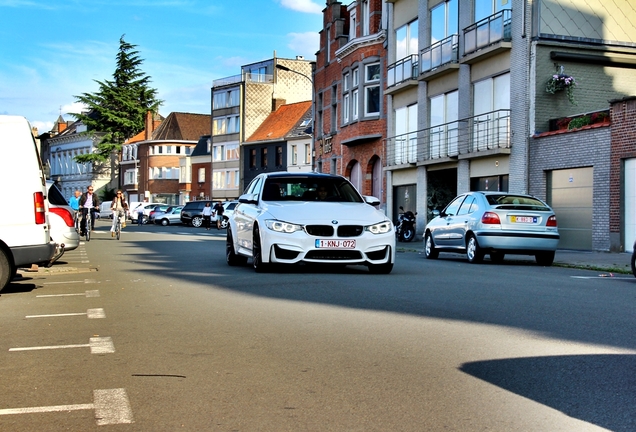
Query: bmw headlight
pixel 283 227
pixel 379 228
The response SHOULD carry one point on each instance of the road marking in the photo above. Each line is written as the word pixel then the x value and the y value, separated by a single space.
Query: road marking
pixel 609 276
pixel 90 293
pixel 91 313
pixel 59 283
pixel 98 345
pixel 111 407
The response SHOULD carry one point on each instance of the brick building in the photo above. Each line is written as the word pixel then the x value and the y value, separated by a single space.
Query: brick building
pixel 350 109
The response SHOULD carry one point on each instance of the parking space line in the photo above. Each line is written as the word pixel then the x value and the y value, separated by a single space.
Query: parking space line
pixel 90 293
pixel 111 407
pixel 90 313
pixel 98 345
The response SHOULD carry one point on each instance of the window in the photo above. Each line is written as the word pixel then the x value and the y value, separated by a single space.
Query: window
pixel 491 110
pixel 334 108
pixel 307 154
pixel 444 132
pixel 226 98
pixel 201 175
pixel 279 156
pixel 294 151
pixel 444 20
pixel 485 8
pixel 345 108
pixel 406 135
pixel 319 126
pixel 406 40
pixel 354 104
pixel 372 89
pixel 253 158
pixel 365 18
pixel 264 157
pixel 355 78
pixel 352 24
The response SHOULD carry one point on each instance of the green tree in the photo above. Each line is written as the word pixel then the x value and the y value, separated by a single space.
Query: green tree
pixel 117 111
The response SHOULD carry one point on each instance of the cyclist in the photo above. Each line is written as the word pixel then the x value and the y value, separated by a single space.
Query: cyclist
pixel 74 203
pixel 119 206
pixel 88 201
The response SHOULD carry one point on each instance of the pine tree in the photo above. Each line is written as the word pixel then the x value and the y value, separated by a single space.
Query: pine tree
pixel 117 111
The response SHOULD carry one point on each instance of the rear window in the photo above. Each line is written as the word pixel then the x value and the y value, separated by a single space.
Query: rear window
pixel 55 196
pixel 516 202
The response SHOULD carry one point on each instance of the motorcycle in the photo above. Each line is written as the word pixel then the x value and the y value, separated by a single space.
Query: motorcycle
pixel 405 226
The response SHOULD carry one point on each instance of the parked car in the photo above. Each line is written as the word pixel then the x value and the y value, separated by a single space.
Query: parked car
pixel 634 259
pixel 24 222
pixel 169 217
pixel 161 208
pixel 285 218
pixel 192 213
pixel 61 218
pixel 133 213
pixel 495 223
pixel 105 211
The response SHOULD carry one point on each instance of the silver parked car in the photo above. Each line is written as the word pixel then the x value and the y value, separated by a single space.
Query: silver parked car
pixel 495 223
pixel 61 218
pixel 170 217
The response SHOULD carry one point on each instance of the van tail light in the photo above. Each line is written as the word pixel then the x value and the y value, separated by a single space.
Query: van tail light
pixel 64 214
pixel 490 218
pixel 551 221
pixel 39 208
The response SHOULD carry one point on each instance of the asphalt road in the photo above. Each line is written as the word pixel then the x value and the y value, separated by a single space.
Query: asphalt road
pixel 156 333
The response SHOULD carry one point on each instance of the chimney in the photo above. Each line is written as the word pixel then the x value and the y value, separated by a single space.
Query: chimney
pixel 149 126
pixel 277 103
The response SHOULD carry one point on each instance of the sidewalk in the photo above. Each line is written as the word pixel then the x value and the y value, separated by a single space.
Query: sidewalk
pixel 602 261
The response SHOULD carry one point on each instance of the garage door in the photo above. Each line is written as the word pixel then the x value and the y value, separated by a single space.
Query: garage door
pixel 629 227
pixel 571 198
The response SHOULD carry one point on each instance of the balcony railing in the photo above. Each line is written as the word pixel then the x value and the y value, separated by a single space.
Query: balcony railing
pixel 440 53
pixel 488 31
pixel 259 78
pixel 403 70
pixel 227 81
pixel 488 131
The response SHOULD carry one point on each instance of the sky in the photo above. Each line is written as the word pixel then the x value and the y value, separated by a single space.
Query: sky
pixel 52 50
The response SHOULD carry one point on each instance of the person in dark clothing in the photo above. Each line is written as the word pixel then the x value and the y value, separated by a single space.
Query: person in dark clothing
pixel 88 201
pixel 218 209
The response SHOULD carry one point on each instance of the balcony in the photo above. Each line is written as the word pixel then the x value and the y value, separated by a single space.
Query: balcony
pixel 227 81
pixel 402 73
pixel 440 58
pixel 487 37
pixel 482 135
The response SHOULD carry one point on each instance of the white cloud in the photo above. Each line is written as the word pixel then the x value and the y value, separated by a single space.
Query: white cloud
pixel 307 6
pixel 305 44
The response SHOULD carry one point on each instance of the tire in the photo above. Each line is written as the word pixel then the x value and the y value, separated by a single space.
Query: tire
pixel 380 268
pixel 197 221
pixel 634 263
pixel 497 257
pixel 224 223
pixel 6 270
pixel 87 233
pixel 473 251
pixel 165 222
pixel 232 258
pixel 545 258
pixel 408 234
pixel 257 253
pixel 429 247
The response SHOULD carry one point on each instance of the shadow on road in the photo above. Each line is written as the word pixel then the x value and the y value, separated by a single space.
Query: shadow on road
pixel 597 389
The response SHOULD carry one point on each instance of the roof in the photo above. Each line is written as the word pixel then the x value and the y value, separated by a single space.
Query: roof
pixel 141 136
pixel 282 123
pixel 183 127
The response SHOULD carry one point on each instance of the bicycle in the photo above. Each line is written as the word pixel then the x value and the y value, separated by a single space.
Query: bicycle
pixel 87 224
pixel 119 215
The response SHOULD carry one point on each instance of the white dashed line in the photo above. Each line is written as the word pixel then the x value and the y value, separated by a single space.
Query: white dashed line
pixel 111 407
pixel 90 313
pixel 91 293
pixel 98 345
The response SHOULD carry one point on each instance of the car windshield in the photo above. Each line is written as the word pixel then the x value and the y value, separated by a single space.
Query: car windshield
pixel 310 189
pixel 516 202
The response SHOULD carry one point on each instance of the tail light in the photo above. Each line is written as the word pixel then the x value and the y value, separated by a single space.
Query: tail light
pixel 490 218
pixel 64 214
pixel 38 208
pixel 551 221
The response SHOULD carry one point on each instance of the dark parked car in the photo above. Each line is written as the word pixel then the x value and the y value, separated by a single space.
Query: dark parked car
pixel 634 259
pixel 192 213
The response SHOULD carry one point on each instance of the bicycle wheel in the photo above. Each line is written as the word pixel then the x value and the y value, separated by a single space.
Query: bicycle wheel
pixel 87 229
pixel 118 229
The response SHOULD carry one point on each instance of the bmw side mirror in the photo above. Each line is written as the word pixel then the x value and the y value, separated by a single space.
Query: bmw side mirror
pixel 371 200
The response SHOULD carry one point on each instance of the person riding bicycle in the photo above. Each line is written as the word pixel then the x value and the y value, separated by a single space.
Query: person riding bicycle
pixel 119 206
pixel 74 203
pixel 88 201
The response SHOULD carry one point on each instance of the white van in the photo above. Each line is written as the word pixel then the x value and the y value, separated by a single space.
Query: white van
pixel 24 227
